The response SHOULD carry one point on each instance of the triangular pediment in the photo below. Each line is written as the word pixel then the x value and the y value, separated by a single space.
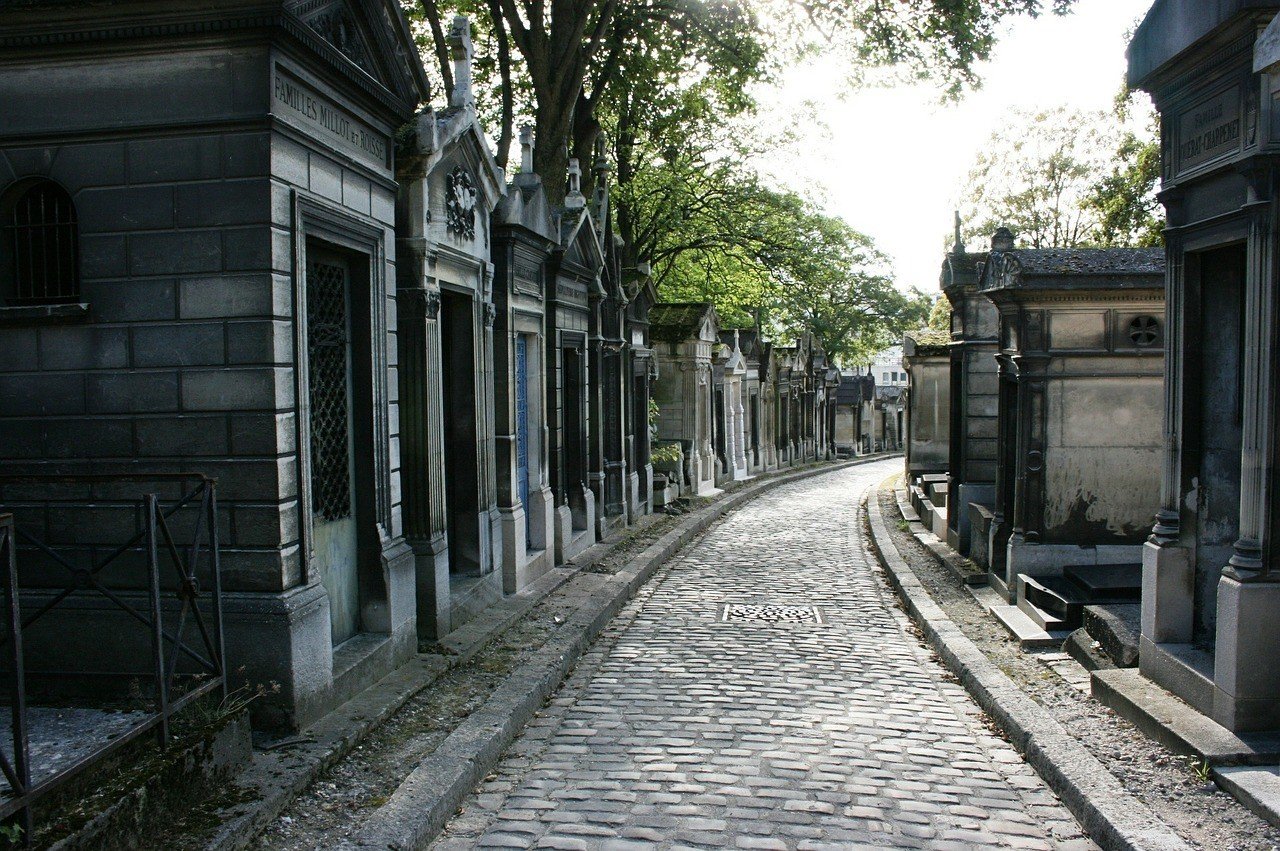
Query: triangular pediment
pixel 372 35
pixel 582 245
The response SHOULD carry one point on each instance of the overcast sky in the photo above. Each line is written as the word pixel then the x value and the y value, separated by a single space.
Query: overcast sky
pixel 892 161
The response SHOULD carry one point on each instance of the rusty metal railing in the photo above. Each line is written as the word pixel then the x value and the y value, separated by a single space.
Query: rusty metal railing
pixel 199 610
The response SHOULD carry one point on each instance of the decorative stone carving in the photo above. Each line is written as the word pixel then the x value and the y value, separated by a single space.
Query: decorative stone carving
pixel 333 23
pixel 490 313
pixel 1144 330
pixel 460 203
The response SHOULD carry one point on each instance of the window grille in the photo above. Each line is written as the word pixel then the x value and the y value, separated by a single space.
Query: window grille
pixel 40 240
pixel 329 390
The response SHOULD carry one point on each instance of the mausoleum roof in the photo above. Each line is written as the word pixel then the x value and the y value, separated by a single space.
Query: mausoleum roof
pixel 1074 269
pixel 675 322
pixel 1172 27
pixel 924 341
pixel 854 389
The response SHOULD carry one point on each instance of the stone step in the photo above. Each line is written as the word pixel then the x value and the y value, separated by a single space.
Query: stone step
pixel 1116 627
pixel 1059 598
pixel 1027 632
pixel 1106 581
pixel 1178 726
pixel 1257 787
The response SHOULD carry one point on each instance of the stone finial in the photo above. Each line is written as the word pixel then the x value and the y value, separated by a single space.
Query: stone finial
pixel 601 170
pixel 957 246
pixel 526 148
pixel 460 49
pixel 601 167
pixel 574 199
pixel 1002 240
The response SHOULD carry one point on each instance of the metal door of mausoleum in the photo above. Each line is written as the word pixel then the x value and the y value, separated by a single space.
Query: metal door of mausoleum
pixel 522 426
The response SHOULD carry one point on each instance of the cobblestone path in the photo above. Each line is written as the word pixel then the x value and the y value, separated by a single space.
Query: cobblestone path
pixel 679 730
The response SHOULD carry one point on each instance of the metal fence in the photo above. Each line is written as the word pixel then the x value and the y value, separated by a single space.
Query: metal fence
pixel 193 633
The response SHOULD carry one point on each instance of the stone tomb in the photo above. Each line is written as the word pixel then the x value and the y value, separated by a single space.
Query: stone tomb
pixel 224 302
pixel 1210 590
pixel 640 298
pixel 1081 365
pixel 449 186
pixel 927 358
pixel 524 235
pixel 731 444
pixel 851 403
pixel 574 284
pixel 971 446
pixel 757 401
pixel 608 477
pixel 685 336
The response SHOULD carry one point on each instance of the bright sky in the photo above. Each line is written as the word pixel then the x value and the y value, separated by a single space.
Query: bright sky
pixel 892 162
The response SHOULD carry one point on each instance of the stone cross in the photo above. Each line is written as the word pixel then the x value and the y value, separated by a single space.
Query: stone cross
pixel 461 51
pixel 526 149
pixel 574 199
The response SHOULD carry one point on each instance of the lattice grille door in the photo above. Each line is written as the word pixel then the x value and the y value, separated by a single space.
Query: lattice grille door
pixel 329 358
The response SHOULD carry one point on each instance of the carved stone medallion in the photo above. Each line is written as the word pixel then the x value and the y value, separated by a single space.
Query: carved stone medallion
pixel 460 204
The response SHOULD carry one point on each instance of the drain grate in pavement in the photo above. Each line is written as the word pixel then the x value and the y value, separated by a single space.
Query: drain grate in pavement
pixel 769 613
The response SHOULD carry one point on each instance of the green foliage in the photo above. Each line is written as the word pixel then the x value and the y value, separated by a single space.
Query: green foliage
pixel 940 315
pixel 1124 198
pixel 666 454
pixel 1039 176
pixel 1033 178
pixel 668 87
pixel 939 40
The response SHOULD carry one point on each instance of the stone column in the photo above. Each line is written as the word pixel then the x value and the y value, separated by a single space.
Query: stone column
pixel 422 453
pixel 1246 690
pixel 1168 573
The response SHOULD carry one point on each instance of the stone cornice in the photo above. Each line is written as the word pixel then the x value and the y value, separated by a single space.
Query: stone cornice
pixel 261 19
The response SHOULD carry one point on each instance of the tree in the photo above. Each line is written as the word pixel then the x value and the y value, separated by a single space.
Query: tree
pixel 1063 178
pixel 575 50
pixel 1124 198
pixel 940 315
pixel 1034 177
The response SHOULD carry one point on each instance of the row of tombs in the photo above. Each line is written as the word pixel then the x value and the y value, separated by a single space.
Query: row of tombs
pixel 1098 430
pixel 237 247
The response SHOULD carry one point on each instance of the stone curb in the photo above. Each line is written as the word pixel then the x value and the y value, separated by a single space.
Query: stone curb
pixel 1112 817
pixel 435 789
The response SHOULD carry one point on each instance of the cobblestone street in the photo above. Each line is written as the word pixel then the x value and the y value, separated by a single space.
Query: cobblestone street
pixel 768 730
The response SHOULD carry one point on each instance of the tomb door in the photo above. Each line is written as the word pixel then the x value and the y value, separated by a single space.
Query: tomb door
pixel 522 426
pixel 1216 437
pixel 330 392
pixel 575 437
pixel 462 471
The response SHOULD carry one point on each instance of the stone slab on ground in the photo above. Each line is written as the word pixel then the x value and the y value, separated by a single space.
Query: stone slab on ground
pixel 1081 647
pixel 1257 787
pixel 1027 632
pixel 1116 627
pixel 1113 817
pixel 1178 726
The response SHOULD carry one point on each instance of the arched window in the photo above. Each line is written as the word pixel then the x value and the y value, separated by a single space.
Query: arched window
pixel 38 244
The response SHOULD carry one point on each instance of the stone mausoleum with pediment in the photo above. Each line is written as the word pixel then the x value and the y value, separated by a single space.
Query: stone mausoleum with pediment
pixel 216 182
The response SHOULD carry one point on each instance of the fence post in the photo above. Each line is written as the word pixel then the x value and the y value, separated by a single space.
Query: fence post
pixel 157 628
